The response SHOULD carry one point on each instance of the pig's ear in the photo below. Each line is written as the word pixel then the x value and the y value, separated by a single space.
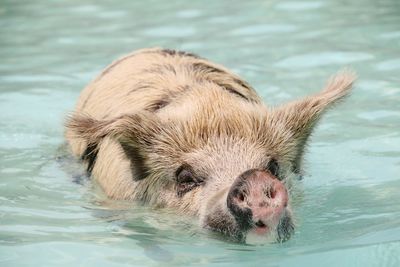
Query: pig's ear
pixel 135 133
pixel 300 117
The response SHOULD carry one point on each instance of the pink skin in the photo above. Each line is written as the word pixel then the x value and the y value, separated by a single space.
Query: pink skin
pixel 267 199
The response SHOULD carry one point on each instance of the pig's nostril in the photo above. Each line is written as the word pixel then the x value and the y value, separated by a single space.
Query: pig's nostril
pixel 271 193
pixel 240 197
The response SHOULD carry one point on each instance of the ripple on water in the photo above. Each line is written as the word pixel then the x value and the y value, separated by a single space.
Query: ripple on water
pixel 391 64
pixel 322 59
pixel 170 31
pixel 299 5
pixel 379 114
pixel 188 13
pixel 264 29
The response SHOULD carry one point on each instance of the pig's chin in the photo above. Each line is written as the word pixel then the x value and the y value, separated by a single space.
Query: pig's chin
pixel 260 236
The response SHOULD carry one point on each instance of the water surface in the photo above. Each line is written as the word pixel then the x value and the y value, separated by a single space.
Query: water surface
pixel 49 50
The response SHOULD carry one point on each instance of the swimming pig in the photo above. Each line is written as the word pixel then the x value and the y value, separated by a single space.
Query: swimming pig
pixel 171 129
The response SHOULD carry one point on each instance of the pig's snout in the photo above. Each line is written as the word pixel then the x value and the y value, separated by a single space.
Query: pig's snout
pixel 257 200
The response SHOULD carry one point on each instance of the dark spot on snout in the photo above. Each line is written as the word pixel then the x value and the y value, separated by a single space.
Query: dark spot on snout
pixel 243 215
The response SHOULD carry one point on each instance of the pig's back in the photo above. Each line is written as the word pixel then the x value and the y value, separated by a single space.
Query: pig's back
pixel 147 79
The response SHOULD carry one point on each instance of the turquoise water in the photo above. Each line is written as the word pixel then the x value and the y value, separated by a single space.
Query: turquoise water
pixel 49 50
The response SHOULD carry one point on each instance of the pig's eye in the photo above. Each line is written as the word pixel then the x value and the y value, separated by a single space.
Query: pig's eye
pixel 186 180
pixel 273 167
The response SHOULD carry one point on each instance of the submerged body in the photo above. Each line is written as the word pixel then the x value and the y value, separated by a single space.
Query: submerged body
pixel 172 129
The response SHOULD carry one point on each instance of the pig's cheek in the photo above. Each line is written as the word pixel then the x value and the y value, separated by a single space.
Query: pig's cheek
pixel 213 202
pixel 211 211
pixel 220 222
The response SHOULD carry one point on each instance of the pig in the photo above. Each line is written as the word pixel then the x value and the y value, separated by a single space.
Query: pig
pixel 171 129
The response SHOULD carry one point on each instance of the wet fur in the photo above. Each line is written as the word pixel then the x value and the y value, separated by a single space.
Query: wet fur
pixel 153 110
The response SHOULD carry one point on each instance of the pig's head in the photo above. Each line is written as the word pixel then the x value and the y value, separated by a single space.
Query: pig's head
pixel 229 161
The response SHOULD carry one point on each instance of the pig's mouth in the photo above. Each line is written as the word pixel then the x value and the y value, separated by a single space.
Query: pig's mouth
pixel 260 228
pixel 265 232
